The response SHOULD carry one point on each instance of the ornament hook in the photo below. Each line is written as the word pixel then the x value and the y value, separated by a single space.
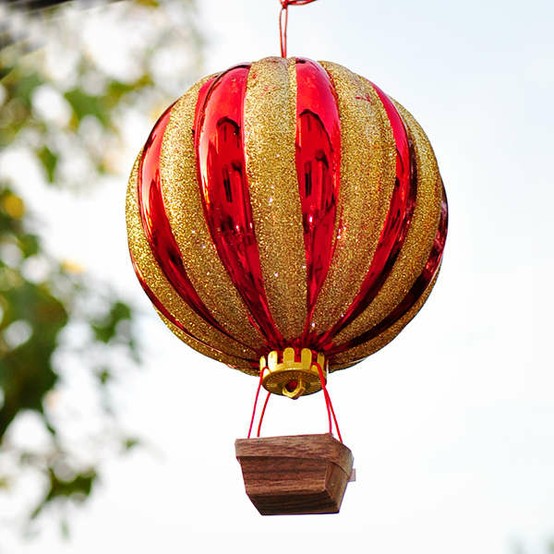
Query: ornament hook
pixel 284 21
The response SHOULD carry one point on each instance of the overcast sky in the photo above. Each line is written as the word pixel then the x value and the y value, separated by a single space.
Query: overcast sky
pixel 452 424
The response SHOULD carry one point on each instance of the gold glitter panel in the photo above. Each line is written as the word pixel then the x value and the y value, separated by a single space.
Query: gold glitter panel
pixel 184 208
pixel 159 285
pixel 269 142
pixel 419 240
pixel 235 363
pixel 368 171
pixel 357 354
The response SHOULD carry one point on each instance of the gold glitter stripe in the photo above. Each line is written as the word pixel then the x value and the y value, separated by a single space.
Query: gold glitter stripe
pixel 156 280
pixel 368 171
pixel 415 252
pixel 185 212
pixel 269 142
pixel 358 353
pixel 235 363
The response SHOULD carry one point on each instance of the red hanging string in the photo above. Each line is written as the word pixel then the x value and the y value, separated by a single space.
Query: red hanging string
pixel 330 410
pixel 256 404
pixel 284 21
pixel 263 414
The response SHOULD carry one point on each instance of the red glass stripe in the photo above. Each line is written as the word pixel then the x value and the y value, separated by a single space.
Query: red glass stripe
pixel 395 227
pixel 157 227
pixel 414 294
pixel 318 155
pixel 219 134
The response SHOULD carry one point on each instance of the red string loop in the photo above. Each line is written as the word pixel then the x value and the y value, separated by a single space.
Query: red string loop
pixel 329 405
pixel 254 409
pixel 330 410
pixel 256 405
pixel 284 21
pixel 262 414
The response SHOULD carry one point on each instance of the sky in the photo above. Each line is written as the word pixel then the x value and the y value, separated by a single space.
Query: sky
pixel 452 424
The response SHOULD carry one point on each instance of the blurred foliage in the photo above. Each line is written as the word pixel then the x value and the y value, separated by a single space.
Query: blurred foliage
pixel 65 111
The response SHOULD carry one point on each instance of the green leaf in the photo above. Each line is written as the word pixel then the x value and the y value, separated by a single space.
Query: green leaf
pixel 25 86
pixel 116 91
pixel 26 371
pixel 131 442
pixel 104 376
pixel 80 485
pixel 78 488
pixel 106 329
pixel 49 161
pixel 5 70
pixel 84 104
pixel 29 245
pixel 148 3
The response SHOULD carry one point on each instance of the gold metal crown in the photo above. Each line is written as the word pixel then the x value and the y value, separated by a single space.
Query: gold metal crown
pixel 293 373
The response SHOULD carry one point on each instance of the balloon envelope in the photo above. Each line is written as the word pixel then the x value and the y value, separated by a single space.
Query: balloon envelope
pixel 286 203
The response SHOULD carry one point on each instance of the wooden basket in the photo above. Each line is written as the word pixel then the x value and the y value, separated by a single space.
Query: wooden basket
pixel 299 474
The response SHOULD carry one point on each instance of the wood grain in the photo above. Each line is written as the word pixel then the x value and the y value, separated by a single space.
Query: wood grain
pixel 298 474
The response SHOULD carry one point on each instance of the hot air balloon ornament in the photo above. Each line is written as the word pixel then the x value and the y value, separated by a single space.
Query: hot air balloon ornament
pixel 287 217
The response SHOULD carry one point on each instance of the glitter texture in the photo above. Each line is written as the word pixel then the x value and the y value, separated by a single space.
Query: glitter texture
pixel 184 208
pixel 157 282
pixel 269 141
pixel 357 354
pixel 418 242
pixel 246 366
pixel 222 177
pixel 273 160
pixel 368 172
pixel 419 289
pixel 395 226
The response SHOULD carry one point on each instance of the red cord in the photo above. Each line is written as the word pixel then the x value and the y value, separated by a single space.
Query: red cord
pixel 284 21
pixel 256 403
pixel 263 414
pixel 256 406
pixel 330 410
